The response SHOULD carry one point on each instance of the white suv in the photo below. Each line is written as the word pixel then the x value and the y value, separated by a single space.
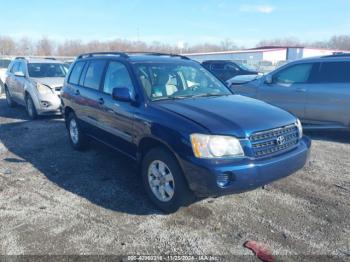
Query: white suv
pixel 35 84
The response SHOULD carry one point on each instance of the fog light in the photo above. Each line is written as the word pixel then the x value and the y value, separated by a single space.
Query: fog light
pixel 223 179
pixel 45 103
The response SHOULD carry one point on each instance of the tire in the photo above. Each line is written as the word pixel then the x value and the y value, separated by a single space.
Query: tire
pixel 77 138
pixel 170 202
pixel 9 100
pixel 31 110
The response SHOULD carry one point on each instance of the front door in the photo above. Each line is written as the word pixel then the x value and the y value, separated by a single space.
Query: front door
pixel 117 117
pixel 288 89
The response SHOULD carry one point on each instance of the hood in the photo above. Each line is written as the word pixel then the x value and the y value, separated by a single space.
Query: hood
pixel 229 115
pixel 52 82
pixel 242 79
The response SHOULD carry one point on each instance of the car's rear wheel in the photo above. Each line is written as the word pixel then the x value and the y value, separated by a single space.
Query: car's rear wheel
pixel 9 100
pixel 164 181
pixel 77 137
pixel 31 110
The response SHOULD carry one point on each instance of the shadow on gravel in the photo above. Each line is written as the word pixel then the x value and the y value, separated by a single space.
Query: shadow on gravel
pixel 99 174
pixel 18 112
pixel 340 136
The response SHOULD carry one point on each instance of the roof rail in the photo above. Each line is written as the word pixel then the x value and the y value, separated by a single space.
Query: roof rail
pixel 50 58
pixel 161 54
pixel 337 54
pixel 121 54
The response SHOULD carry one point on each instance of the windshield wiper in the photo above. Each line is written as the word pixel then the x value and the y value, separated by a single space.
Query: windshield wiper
pixel 206 95
pixel 170 98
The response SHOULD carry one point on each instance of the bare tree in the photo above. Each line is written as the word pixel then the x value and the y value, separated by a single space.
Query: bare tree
pixel 7 45
pixel 25 47
pixel 340 42
pixel 289 41
pixel 45 47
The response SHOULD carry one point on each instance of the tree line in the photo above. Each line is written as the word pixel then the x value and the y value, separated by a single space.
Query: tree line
pixel 48 47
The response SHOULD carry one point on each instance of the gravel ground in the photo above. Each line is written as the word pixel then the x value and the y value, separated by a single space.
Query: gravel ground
pixel 56 201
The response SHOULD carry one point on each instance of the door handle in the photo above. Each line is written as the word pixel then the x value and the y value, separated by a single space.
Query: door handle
pixel 101 101
pixel 77 92
pixel 301 90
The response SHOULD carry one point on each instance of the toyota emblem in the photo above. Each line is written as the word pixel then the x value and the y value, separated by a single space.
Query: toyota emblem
pixel 281 140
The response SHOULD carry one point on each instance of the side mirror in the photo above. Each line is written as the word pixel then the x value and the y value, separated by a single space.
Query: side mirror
pixel 121 94
pixel 268 79
pixel 19 74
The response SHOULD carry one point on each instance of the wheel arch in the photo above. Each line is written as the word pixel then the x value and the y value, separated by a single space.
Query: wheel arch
pixel 67 111
pixel 148 143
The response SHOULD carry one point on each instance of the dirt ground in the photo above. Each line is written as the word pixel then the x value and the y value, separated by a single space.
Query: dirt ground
pixel 54 200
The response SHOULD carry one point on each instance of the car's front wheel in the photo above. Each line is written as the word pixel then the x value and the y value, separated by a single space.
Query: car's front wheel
pixel 164 181
pixel 77 137
pixel 31 110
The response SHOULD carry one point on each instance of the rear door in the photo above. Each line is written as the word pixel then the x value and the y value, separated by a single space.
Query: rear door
pixel 11 80
pixel 328 96
pixel 117 117
pixel 288 88
pixel 87 95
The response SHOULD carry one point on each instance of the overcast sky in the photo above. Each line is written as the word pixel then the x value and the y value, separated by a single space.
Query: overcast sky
pixel 192 21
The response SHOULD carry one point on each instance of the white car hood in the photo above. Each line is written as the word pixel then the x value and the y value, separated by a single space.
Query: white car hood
pixel 52 82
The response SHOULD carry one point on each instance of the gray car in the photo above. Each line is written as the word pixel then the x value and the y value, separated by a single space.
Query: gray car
pixel 317 90
pixel 35 84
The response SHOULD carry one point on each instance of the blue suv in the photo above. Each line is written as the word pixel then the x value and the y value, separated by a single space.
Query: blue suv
pixel 190 134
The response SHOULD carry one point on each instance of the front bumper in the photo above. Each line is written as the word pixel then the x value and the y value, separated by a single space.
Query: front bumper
pixel 246 173
pixel 48 104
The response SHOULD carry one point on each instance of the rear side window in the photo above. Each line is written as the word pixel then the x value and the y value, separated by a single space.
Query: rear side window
pixel 76 72
pixel 231 67
pixel 94 74
pixel 294 74
pixel 334 72
pixel 218 66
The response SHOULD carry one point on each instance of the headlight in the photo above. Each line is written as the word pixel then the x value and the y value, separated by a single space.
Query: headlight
pixel 207 146
pixel 300 128
pixel 43 89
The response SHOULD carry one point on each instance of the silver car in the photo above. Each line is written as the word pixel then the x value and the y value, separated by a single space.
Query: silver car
pixel 317 90
pixel 35 84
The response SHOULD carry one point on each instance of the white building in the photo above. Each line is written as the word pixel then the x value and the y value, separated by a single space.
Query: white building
pixel 266 56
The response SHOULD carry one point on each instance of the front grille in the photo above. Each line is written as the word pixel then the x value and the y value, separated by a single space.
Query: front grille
pixel 274 141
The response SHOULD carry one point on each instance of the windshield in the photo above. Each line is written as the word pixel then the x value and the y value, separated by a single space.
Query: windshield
pixel 4 63
pixel 176 81
pixel 47 70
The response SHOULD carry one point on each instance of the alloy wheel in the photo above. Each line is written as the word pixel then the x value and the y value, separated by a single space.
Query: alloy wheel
pixel 161 181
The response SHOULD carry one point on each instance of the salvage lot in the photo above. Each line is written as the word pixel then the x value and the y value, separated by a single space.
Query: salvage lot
pixel 54 200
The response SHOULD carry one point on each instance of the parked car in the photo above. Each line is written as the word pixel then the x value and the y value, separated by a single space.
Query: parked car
pixel 191 136
pixel 35 84
pixel 4 63
pixel 226 69
pixel 265 66
pixel 317 90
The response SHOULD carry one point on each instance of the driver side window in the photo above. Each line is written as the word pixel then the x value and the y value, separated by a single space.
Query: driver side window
pixel 296 74
pixel 117 76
